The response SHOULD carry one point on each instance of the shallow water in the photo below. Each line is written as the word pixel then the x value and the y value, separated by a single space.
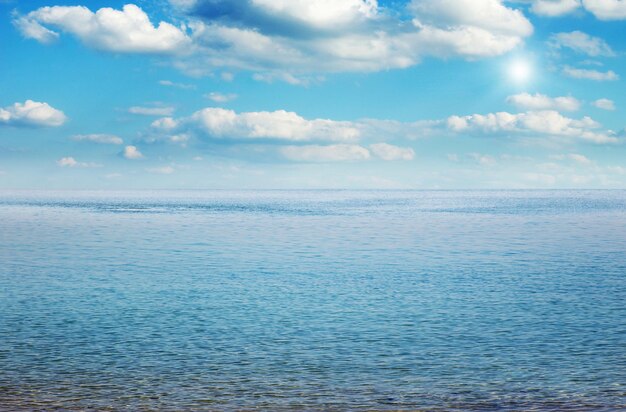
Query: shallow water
pixel 318 300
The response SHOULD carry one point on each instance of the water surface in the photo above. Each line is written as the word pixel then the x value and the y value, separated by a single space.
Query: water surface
pixel 313 300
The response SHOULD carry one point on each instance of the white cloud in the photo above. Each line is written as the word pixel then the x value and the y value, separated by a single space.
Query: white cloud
pixel 166 123
pixel 604 104
pixel 184 86
pixel 545 122
pixel 71 162
pixel 539 101
pixel 617 170
pixel 33 30
pixel 389 152
pixel 287 40
pixel 553 8
pixel 220 97
pixel 607 9
pixel 602 9
pixel 321 14
pixel 331 153
pixel 582 159
pixel 582 43
pixel 124 31
pixel 590 74
pixel 67 162
pixel 578 158
pixel 227 76
pixel 279 125
pixel 483 159
pixel 98 138
pixel 165 170
pixel 151 111
pixel 284 40
pixel 131 152
pixel 31 113
pixel 490 15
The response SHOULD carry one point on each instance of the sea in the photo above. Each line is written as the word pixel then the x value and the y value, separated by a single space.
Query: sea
pixel 313 300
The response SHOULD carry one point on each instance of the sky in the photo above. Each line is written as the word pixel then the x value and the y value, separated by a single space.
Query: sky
pixel 308 94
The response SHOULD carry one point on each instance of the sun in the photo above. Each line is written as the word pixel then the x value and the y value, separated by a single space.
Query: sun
pixel 520 70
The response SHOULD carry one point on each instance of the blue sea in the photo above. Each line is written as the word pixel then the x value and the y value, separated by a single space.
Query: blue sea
pixel 313 300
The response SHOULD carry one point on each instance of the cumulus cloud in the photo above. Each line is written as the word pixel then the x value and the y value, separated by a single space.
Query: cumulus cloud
pixel 288 39
pixel 283 40
pixel 219 123
pixel 602 9
pixel 98 138
pixel 590 74
pixel 164 170
pixel 330 153
pixel 123 31
pixel 151 111
pixel 582 43
pixel 33 30
pixel 490 15
pixel 553 8
pixel 604 104
pixel 183 86
pixel 545 122
pixel 539 101
pixel 390 152
pixel 132 153
pixel 220 97
pixel 71 162
pixel 607 9
pixel 576 157
pixel 482 159
pixel 33 114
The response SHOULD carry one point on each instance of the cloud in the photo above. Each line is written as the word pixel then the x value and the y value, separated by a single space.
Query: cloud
pixel 122 31
pixel 287 40
pixel 539 101
pixel 71 162
pixel 31 114
pixel 151 111
pixel 578 158
pixel 219 123
pixel 554 8
pixel 183 86
pixel 220 97
pixel 607 9
pixel 490 15
pixel 31 29
pixel 283 40
pixel 483 159
pixel 602 9
pixel 604 104
pixel 98 138
pixel 331 153
pixel 590 74
pixel 390 152
pixel 131 152
pixel 165 170
pixel 545 122
pixel 582 43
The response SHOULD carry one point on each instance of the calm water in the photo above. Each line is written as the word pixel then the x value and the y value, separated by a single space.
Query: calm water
pixel 313 300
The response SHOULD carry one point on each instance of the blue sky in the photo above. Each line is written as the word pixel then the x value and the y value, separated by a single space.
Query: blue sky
pixel 424 94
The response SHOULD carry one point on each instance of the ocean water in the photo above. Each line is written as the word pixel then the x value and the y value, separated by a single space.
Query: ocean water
pixel 313 300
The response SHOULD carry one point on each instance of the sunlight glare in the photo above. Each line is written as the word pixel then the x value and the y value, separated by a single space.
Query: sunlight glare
pixel 520 71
